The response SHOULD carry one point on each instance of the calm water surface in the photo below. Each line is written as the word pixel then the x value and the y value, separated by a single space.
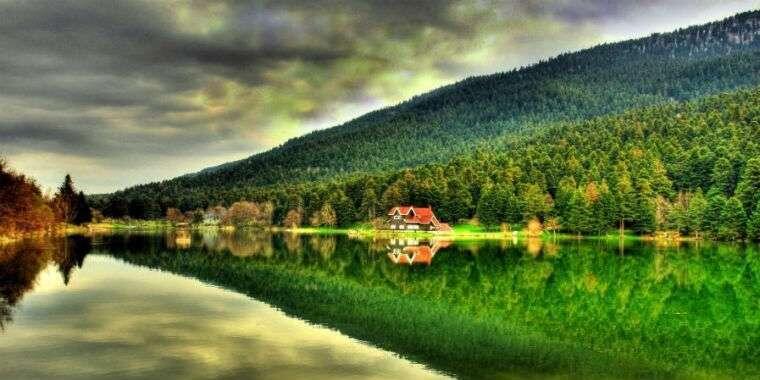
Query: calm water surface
pixel 96 316
pixel 257 305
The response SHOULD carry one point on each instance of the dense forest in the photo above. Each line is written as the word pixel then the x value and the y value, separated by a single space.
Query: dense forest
pixel 24 208
pixel 692 167
pixel 554 143
pixel 450 121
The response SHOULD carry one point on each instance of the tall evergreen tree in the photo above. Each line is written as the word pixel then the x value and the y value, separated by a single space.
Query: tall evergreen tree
pixel 695 213
pixel 578 214
pixel 716 202
pixel 748 189
pixel 625 196
pixel 458 201
pixel 343 208
pixel 733 220
pixel 392 196
pixel 65 201
pixel 488 207
pixel 753 226
pixel 535 202
pixel 369 203
pixel 722 176
pixel 83 213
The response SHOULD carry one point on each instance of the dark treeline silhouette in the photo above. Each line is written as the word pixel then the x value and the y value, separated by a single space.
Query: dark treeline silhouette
pixel 456 120
pixel 23 207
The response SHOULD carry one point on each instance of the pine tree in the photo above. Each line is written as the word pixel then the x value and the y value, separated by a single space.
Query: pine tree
pixel 605 210
pixel 342 206
pixel 488 208
pixel 116 207
pixel 534 202
pixel 625 197
pixel 748 189
pixel 695 213
pixel 753 226
pixel 392 196
pixel 713 213
pixel 733 220
pixel 458 201
pixel 369 202
pixel 577 217
pixel 83 212
pixel 722 176
pixel 509 206
pixel 152 209
pixel 564 192
pixel 65 201
pixel 137 208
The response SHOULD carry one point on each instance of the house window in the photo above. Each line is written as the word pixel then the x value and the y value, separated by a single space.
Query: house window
pixel 397 217
pixel 401 227
pixel 393 226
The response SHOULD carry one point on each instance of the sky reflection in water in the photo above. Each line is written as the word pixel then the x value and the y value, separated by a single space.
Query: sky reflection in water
pixel 122 321
pixel 543 308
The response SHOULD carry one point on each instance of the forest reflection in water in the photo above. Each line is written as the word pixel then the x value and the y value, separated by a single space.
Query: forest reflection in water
pixel 481 308
pixel 70 310
pixel 21 263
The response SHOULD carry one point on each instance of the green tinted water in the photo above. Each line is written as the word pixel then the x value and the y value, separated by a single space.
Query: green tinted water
pixel 465 309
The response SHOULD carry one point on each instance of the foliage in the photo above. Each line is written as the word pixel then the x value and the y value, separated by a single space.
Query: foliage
pixel 753 226
pixel 65 201
pixel 487 310
pixel 22 206
pixel 292 219
pixel 500 147
pixel 174 215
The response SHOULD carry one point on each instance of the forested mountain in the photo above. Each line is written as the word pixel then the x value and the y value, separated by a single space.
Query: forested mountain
pixel 511 112
pixel 691 166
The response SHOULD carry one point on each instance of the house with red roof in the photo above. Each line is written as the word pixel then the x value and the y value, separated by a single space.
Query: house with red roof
pixel 413 218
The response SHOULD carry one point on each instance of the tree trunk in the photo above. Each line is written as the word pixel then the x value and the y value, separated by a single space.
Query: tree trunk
pixel 622 227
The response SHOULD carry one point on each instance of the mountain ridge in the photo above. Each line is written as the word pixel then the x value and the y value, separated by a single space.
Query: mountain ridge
pixel 455 119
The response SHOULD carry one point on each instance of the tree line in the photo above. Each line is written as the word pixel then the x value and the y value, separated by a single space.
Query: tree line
pixel 24 208
pixel 691 167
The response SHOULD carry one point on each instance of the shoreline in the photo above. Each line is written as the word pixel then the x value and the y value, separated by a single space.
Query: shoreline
pixel 365 233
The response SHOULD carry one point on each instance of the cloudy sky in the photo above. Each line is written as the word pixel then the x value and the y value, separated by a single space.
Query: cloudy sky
pixel 123 92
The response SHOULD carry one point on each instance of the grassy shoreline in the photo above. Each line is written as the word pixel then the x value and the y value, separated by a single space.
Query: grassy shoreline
pixel 364 231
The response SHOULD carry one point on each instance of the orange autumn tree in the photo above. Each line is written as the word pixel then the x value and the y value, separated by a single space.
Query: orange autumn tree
pixel 22 207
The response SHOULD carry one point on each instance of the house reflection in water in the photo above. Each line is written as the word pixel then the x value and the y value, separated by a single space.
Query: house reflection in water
pixel 411 251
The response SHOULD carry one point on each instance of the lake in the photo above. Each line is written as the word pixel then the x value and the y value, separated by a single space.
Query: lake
pixel 251 304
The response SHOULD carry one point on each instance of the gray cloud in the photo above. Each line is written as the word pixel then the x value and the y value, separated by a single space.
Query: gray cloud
pixel 144 90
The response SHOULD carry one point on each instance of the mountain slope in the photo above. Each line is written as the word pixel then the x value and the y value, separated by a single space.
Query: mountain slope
pixel 693 167
pixel 455 119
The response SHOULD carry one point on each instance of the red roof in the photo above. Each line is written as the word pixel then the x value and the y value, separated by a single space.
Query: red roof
pixel 414 214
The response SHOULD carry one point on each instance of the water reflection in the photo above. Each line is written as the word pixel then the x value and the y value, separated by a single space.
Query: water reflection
pixel 109 319
pixel 22 262
pixel 412 251
pixel 479 308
